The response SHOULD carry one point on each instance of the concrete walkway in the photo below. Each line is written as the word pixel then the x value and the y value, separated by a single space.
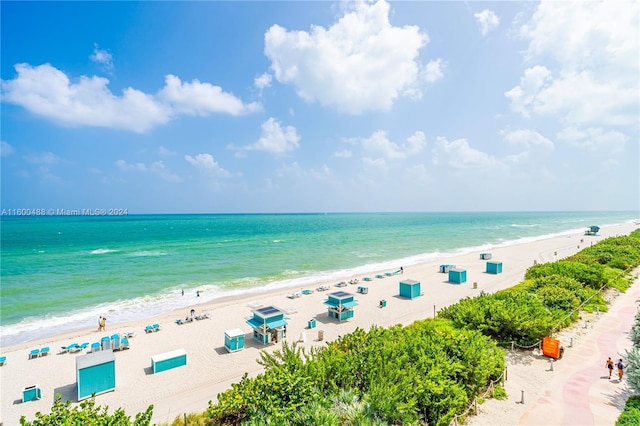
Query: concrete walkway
pixel 578 390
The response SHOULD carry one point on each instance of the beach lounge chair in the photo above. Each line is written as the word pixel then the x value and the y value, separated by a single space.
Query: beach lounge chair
pixel 95 347
pixel 44 351
pixel 156 327
pixel 3 360
pixel 125 343
pixel 202 316
pixel 128 334
pixel 34 353
pixel 76 348
pixel 148 329
pixel 115 342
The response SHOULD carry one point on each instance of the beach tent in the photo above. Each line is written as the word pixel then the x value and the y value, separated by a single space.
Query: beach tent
pixel 457 276
pixel 234 340
pixel 409 289
pixel 494 267
pixel 95 373
pixel 268 324
pixel 340 305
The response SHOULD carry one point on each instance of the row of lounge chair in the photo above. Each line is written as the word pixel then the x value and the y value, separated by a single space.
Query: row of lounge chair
pixel 190 318
pixel 152 328
pixel 35 353
pixel 73 347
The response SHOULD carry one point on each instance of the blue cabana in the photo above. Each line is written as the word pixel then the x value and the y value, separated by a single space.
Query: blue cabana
pixel 485 256
pixel 234 340
pixel 95 373
pixel 457 276
pixel 445 268
pixel 168 360
pixel 340 305
pixel 268 324
pixel 494 267
pixel 410 289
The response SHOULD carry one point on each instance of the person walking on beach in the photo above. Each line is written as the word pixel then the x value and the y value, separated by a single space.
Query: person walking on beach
pixel 100 323
pixel 609 365
pixel 620 366
pixel 103 323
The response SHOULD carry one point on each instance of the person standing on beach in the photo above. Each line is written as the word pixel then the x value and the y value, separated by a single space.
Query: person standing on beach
pixel 620 366
pixel 100 323
pixel 103 323
pixel 609 365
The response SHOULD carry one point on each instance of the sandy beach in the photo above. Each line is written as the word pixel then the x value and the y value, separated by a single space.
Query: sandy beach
pixel 211 369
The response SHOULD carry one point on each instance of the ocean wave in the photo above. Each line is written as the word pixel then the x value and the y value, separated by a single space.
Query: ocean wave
pixel 522 225
pixel 103 251
pixel 149 253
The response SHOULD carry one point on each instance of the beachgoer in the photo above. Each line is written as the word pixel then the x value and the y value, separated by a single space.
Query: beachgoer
pixel 193 312
pixel 620 366
pixel 401 270
pixel 609 365
pixel 100 323
pixel 197 293
pixel 183 292
pixel 103 323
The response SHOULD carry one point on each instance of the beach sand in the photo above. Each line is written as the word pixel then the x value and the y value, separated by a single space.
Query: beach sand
pixel 210 369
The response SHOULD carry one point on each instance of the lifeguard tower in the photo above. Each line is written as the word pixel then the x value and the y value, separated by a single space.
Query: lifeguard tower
pixel 340 305
pixel 593 230
pixel 268 324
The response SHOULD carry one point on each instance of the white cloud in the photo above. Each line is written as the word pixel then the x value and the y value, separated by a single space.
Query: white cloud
pixel 594 139
pixel 595 46
pixel 48 92
pixel 276 139
pixel 360 63
pixel 379 143
pixel 102 57
pixel 263 81
pixel 434 70
pixel 165 152
pixel 208 163
pixel 459 155
pixel 198 98
pixel 158 168
pixel 5 149
pixel 42 158
pixel 345 153
pixel 487 20
pixel 523 96
pixel 528 139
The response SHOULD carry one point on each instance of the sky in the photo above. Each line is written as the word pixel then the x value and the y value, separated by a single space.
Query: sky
pixel 260 107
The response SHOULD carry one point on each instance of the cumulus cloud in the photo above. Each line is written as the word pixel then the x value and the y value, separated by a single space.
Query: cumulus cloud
pixel 198 98
pixel 275 139
pixel 458 154
pixel 595 47
pixel 6 149
pixel 157 167
pixel 359 63
pixel 345 153
pixel 487 20
pixel 207 163
pixel 528 139
pixel 102 57
pixel 46 91
pixel 380 144
pixel 263 81
pixel 594 139
pixel 48 158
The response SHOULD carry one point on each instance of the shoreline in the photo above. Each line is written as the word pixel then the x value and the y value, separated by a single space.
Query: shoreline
pixel 128 314
pixel 210 369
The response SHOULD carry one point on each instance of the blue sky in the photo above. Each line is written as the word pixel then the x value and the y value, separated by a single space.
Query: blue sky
pixel 198 107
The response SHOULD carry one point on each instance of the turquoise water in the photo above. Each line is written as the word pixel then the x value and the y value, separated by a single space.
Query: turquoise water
pixel 61 273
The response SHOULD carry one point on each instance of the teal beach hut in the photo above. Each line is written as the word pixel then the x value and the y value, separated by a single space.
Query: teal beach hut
pixel 457 276
pixel 340 305
pixel 268 324
pixel 445 268
pixel 410 289
pixel 234 340
pixel 494 267
pixel 485 256
pixel 168 360
pixel 95 373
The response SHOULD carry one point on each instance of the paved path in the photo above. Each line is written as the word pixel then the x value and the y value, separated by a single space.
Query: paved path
pixel 578 391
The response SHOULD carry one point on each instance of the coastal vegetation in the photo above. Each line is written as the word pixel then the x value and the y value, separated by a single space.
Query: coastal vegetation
pixel 631 413
pixel 428 372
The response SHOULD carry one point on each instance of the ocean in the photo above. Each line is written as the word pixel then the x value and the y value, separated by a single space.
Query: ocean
pixel 60 273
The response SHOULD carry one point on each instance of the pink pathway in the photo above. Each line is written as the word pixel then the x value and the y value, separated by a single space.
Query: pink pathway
pixel 579 392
